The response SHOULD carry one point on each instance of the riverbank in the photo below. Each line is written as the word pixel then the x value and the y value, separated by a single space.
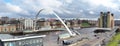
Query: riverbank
pixel 114 40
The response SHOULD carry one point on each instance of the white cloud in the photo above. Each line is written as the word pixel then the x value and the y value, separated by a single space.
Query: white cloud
pixel 63 7
pixel 8 9
pixel 35 5
pixel 68 12
pixel 50 3
pixel 91 12
pixel 13 8
pixel 6 14
pixel 106 3
pixel 81 10
pixel 69 1
pixel 47 11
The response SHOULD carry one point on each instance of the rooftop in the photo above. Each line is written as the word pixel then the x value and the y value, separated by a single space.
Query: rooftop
pixel 8 37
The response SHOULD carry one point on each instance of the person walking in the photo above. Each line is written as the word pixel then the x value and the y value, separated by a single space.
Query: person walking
pixel 58 39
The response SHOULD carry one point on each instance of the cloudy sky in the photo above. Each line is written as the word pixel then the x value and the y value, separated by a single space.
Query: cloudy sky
pixel 64 8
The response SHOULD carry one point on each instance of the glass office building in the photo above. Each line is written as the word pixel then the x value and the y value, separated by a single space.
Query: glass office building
pixel 24 41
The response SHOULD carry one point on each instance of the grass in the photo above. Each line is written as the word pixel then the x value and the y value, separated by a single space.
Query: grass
pixel 115 40
pixel 85 25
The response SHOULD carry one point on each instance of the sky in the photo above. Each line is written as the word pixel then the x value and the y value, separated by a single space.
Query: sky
pixel 64 8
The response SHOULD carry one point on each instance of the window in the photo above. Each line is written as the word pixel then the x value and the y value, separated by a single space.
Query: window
pixel 13 29
pixel 31 41
pixel 6 44
pixel 37 40
pixel 20 43
pixel 5 30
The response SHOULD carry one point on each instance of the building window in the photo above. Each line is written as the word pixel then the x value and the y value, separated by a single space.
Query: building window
pixel 20 43
pixel 31 41
pixel 6 44
pixel 13 29
pixel 37 41
pixel 5 30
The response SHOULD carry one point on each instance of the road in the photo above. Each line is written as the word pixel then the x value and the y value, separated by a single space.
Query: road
pixel 87 33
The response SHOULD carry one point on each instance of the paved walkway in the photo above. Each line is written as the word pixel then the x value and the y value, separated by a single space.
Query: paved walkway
pixel 86 42
pixel 51 40
pixel 79 43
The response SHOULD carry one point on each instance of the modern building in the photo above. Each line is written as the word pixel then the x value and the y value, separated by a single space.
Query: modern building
pixel 19 27
pixel 18 23
pixel 43 24
pixel 72 23
pixel 93 23
pixel 8 28
pixel 55 24
pixel 67 23
pixel 117 22
pixel 58 24
pixel 28 24
pixel 4 20
pixel 11 40
pixel 106 20
pixel 0 22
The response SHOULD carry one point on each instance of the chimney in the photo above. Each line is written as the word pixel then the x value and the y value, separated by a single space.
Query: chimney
pixel 112 14
pixel 101 13
pixel 108 12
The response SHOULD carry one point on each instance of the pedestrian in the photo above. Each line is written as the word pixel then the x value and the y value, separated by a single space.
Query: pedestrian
pixel 63 42
pixel 58 39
